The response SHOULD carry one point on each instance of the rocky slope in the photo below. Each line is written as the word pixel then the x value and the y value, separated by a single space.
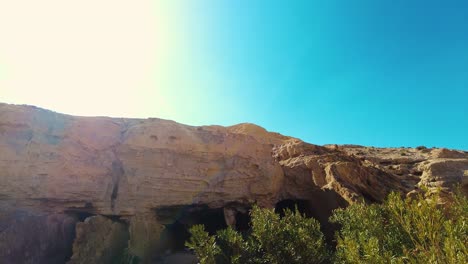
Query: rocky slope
pixel 147 175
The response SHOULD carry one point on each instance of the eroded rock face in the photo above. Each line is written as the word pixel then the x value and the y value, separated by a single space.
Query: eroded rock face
pixel 415 168
pixel 145 232
pixel 138 170
pixel 128 166
pixel 99 240
pixel 35 238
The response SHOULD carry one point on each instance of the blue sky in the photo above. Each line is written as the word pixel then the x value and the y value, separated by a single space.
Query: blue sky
pixel 363 72
pixel 380 73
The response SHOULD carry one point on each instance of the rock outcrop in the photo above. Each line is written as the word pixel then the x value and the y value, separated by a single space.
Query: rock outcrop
pixel 31 238
pixel 99 240
pixel 128 166
pixel 148 172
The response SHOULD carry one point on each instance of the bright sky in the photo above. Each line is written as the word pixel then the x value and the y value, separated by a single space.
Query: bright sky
pixel 382 73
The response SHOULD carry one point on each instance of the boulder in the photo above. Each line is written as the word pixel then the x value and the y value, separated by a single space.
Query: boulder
pixel 99 240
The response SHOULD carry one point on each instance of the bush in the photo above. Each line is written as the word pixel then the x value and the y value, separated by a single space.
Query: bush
pixel 403 231
pixel 203 244
pixel 293 238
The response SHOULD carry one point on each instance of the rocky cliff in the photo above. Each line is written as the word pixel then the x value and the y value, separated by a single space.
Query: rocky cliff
pixel 150 178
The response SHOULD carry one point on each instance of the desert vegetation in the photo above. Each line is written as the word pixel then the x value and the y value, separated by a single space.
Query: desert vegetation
pixel 418 229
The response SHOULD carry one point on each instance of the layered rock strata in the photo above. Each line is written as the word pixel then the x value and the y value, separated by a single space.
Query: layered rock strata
pixel 146 173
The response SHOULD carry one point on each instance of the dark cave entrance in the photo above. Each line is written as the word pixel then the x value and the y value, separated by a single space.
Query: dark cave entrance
pixel 180 220
pixel 173 237
pixel 243 221
pixel 319 205
pixel 302 206
pixel 79 215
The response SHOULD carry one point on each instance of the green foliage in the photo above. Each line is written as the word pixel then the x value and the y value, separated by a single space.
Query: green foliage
pixel 400 230
pixel 205 246
pixel 232 245
pixel 416 230
pixel 293 238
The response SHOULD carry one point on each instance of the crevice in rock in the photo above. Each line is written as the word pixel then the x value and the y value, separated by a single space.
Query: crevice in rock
pixel 117 173
pixel 117 169
pixel 367 197
pixel 385 163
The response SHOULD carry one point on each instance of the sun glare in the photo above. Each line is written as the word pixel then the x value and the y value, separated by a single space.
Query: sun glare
pixel 83 57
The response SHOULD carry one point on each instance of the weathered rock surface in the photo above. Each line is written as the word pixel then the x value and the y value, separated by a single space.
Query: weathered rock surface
pixel 146 171
pixel 414 168
pixel 35 238
pixel 145 232
pixel 128 166
pixel 99 240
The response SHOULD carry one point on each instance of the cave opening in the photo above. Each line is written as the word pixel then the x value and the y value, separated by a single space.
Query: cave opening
pixel 173 237
pixel 243 221
pixel 319 205
pixel 80 215
pixel 176 231
pixel 179 219
pixel 302 206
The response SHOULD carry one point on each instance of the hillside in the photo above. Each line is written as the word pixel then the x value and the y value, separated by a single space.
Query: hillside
pixel 76 188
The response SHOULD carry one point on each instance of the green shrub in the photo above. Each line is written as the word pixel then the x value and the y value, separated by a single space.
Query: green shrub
pixel 400 230
pixel 416 230
pixel 293 238
pixel 232 247
pixel 204 245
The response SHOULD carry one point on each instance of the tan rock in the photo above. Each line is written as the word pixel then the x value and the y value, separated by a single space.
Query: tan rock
pixel 127 166
pixel 137 168
pixel 145 231
pixel 447 153
pixel 99 240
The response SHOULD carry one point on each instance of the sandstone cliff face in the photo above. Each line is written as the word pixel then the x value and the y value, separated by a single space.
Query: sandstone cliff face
pixel 146 170
pixel 127 166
